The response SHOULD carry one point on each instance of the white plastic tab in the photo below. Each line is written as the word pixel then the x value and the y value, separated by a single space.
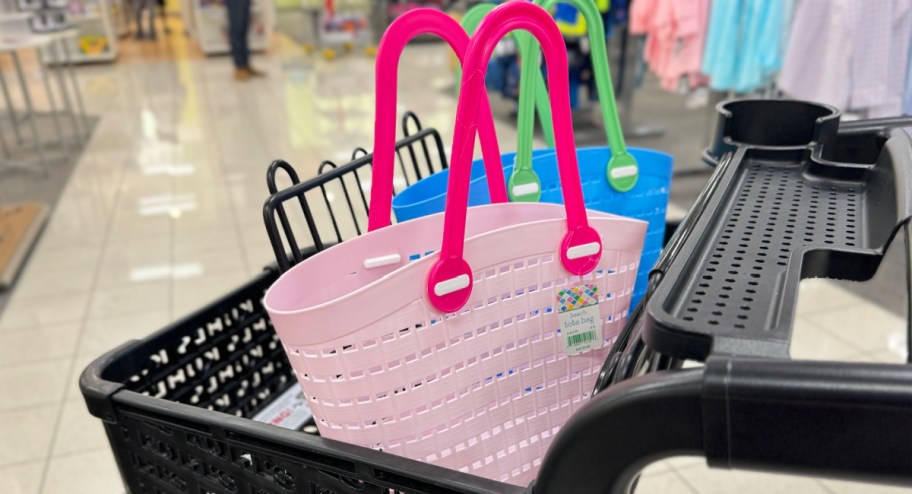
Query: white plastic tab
pixel 583 250
pixel 376 262
pixel 525 189
pixel 624 171
pixel 451 285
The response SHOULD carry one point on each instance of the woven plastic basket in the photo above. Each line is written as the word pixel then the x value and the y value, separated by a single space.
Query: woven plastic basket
pixel 456 357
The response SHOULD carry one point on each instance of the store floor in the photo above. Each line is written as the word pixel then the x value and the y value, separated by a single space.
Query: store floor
pixel 163 214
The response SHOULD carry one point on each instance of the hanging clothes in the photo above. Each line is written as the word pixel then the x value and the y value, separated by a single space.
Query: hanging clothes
pixel 675 35
pixel 744 45
pixel 907 94
pixel 816 63
pixel 691 23
pixel 617 15
pixel 849 54
pixel 574 28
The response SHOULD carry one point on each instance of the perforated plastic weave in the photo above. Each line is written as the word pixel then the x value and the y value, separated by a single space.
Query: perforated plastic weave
pixel 774 213
pixel 227 358
pixel 647 201
pixel 483 390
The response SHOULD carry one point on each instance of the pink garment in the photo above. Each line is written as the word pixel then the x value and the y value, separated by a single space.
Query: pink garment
pixel 675 35
pixel 849 54
pixel 692 20
pixel 640 14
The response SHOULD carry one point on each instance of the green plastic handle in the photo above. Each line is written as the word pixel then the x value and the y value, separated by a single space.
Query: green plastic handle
pixel 621 170
pixel 470 22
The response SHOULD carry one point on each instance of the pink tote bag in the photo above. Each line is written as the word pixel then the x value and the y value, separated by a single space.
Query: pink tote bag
pixel 452 352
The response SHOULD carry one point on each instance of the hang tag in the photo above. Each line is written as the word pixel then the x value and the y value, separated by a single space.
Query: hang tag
pixel 580 320
pixel 289 410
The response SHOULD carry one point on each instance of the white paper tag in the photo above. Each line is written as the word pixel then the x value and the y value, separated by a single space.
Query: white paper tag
pixel 580 320
pixel 289 410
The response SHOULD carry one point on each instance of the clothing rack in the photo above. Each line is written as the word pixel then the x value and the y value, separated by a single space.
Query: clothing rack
pixel 847 54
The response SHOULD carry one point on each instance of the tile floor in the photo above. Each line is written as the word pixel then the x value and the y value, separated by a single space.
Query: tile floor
pixel 163 214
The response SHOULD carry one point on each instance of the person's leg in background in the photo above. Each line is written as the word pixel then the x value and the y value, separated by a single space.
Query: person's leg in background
pixel 238 27
pixel 138 7
pixel 162 10
pixel 150 12
pixel 237 33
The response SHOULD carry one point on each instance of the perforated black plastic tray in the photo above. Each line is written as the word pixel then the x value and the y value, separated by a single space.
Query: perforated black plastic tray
pixel 792 197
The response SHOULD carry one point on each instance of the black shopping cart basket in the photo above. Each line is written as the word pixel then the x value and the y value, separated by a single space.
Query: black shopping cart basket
pixel 178 406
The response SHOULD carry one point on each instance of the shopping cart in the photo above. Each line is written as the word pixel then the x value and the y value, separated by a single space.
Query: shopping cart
pixel 177 406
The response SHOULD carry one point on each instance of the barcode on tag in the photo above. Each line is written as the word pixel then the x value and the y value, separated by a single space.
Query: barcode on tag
pixel 577 339
pixel 580 319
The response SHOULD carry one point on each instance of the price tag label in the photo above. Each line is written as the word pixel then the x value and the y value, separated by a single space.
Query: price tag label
pixel 288 410
pixel 580 320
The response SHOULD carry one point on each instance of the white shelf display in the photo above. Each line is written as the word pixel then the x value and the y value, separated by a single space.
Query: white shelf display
pixel 345 26
pixel 96 37
pixel 210 25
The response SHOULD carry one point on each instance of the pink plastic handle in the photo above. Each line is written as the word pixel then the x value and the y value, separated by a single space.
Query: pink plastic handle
pixel 450 279
pixel 401 31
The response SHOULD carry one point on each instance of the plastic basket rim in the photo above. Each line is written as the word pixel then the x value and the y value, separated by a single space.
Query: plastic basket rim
pixel 661 169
